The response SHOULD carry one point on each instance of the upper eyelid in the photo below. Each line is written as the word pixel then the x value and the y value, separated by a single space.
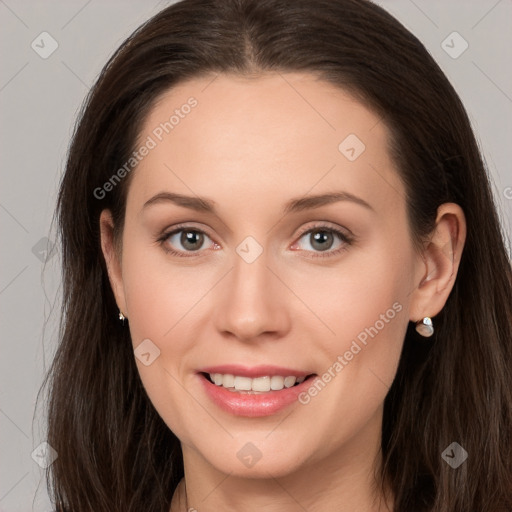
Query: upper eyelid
pixel 176 229
pixel 326 225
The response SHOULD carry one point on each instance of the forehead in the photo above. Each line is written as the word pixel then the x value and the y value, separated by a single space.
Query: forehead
pixel 263 137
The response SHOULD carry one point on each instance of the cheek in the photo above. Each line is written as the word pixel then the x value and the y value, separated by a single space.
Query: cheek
pixel 164 300
pixel 160 301
pixel 159 294
pixel 366 291
pixel 365 306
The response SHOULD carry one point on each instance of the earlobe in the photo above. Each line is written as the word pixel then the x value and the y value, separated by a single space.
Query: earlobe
pixel 112 259
pixel 439 262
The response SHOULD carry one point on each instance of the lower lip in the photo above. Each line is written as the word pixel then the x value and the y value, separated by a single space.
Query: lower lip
pixel 253 405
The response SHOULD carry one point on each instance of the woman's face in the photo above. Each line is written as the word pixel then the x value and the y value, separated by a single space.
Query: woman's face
pixel 256 285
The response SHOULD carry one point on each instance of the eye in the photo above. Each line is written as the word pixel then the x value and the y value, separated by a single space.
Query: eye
pixel 185 239
pixel 321 239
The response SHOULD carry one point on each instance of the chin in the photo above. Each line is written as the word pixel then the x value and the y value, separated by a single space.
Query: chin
pixel 255 457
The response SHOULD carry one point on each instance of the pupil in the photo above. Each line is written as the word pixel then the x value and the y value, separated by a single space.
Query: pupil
pixel 322 236
pixel 188 237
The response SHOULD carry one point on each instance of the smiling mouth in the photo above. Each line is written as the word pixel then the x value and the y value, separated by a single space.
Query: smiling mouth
pixel 257 385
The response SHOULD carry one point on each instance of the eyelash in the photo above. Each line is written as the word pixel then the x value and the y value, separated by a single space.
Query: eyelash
pixel 345 238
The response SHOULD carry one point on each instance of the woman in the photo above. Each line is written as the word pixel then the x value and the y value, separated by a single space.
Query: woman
pixel 214 356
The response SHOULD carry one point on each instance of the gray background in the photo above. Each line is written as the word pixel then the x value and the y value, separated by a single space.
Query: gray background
pixel 39 100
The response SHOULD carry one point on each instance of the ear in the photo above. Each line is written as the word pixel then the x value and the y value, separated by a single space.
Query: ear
pixel 439 262
pixel 112 259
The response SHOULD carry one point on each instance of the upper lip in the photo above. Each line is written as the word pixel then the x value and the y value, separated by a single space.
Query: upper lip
pixel 254 371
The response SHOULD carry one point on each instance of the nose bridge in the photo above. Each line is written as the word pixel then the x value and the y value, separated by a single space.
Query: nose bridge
pixel 251 302
pixel 250 275
pixel 250 279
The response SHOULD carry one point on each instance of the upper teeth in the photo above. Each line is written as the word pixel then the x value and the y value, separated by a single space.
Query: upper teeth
pixel 266 383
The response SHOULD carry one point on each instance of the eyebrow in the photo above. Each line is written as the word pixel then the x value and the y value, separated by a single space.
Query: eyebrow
pixel 202 204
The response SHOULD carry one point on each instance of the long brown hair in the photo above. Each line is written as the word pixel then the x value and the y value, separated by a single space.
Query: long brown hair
pixel 115 453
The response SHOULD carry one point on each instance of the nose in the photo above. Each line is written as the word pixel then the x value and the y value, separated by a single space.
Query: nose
pixel 252 302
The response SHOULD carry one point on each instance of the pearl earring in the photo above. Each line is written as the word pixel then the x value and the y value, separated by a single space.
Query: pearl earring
pixel 425 327
pixel 121 316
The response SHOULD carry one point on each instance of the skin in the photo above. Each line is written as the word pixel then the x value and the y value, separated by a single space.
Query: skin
pixel 251 145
